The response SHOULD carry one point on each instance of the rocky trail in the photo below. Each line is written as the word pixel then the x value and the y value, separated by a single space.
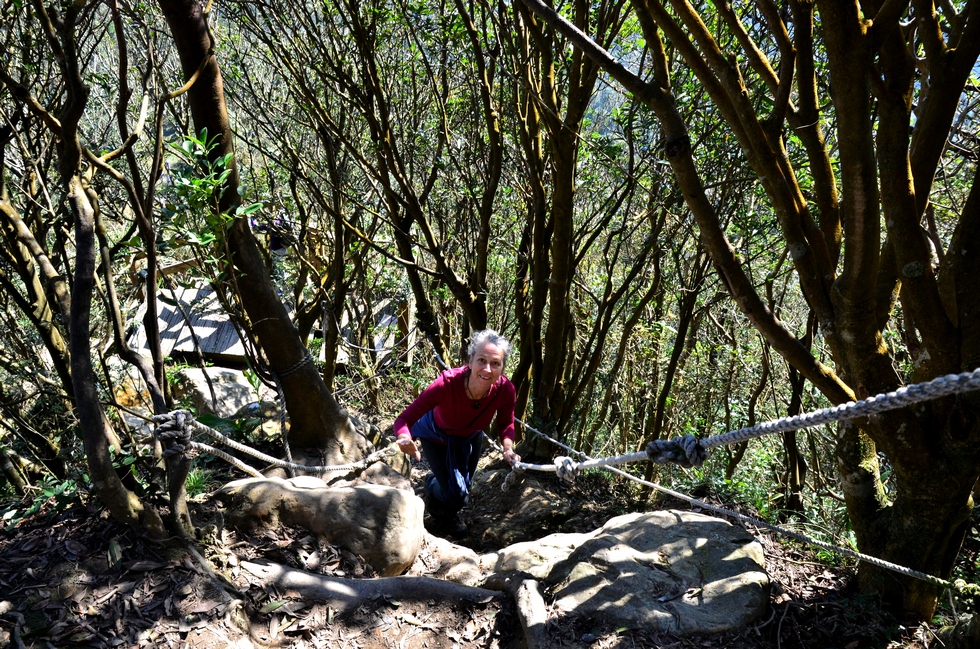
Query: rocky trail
pixel 74 578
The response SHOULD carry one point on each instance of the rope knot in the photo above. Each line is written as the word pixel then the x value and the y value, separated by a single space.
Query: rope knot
pixel 566 468
pixel 174 426
pixel 685 450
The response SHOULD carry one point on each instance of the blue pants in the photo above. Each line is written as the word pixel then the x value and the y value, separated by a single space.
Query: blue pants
pixel 444 499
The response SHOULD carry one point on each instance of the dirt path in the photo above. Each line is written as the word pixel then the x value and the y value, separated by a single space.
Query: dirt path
pixel 77 579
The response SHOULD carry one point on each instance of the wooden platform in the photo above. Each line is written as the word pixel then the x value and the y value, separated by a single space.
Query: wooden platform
pixel 205 318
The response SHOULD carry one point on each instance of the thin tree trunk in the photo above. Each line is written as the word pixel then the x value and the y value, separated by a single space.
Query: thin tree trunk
pixel 318 423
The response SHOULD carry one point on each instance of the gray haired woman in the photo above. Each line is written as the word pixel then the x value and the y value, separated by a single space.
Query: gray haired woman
pixel 449 418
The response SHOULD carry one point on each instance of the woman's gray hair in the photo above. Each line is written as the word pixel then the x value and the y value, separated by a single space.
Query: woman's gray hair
pixel 481 338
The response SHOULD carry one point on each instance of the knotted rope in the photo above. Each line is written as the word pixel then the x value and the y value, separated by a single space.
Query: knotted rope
pixel 689 451
pixel 178 426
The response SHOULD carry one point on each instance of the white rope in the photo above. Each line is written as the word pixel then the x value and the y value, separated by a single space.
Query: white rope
pixel 568 469
pixel 959 585
pixel 178 424
pixel 905 396
pixel 688 450
pixel 227 457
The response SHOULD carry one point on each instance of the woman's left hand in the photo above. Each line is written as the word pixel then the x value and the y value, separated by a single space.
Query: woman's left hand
pixel 408 447
pixel 511 456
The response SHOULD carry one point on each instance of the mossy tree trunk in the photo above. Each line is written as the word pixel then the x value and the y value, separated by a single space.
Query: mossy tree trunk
pixel 319 428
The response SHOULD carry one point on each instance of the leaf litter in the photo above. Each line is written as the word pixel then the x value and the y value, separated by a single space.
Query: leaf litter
pixel 76 578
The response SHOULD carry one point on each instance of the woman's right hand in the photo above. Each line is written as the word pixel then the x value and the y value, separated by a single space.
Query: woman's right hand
pixel 408 447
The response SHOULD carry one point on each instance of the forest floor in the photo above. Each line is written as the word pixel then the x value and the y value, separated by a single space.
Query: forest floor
pixel 75 578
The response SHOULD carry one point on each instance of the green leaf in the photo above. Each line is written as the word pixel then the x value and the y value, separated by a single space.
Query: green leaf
pixel 271 606
pixel 250 209
pixel 218 423
pixel 203 239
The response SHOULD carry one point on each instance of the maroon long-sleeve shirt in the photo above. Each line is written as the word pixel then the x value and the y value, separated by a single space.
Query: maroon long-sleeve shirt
pixel 455 413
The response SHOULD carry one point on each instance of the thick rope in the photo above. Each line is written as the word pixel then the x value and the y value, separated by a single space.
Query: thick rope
pixel 281 417
pixel 178 425
pixel 298 365
pixel 905 396
pixel 689 451
pixel 958 585
pixel 227 457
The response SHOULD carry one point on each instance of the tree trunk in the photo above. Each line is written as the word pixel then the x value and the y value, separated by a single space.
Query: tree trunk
pixel 96 432
pixel 317 422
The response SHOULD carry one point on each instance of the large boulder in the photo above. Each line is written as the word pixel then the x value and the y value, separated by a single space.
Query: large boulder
pixel 232 391
pixel 675 571
pixel 381 524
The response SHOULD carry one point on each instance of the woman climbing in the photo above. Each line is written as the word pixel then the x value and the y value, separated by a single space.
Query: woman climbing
pixel 449 417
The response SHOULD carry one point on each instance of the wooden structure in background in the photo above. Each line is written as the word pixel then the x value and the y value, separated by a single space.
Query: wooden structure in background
pixel 205 318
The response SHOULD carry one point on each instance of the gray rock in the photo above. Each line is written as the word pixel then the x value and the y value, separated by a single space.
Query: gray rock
pixel 536 558
pixel 232 391
pixel 381 524
pixel 673 571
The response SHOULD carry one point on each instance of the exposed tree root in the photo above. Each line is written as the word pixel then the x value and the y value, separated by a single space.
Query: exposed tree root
pixel 345 595
pixel 531 609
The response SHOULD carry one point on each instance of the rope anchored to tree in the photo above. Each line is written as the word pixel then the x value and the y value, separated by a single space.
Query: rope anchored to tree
pixel 177 426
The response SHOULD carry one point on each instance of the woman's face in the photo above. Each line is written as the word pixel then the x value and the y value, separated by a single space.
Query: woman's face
pixel 487 363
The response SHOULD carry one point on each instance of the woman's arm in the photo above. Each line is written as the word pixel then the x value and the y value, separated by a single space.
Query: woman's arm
pixel 505 423
pixel 431 397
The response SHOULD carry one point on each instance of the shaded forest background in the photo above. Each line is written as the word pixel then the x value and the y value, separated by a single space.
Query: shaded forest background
pixel 700 217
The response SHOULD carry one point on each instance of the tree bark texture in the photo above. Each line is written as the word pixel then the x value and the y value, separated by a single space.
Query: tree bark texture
pixel 317 422
pixel 97 434
pixel 884 176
